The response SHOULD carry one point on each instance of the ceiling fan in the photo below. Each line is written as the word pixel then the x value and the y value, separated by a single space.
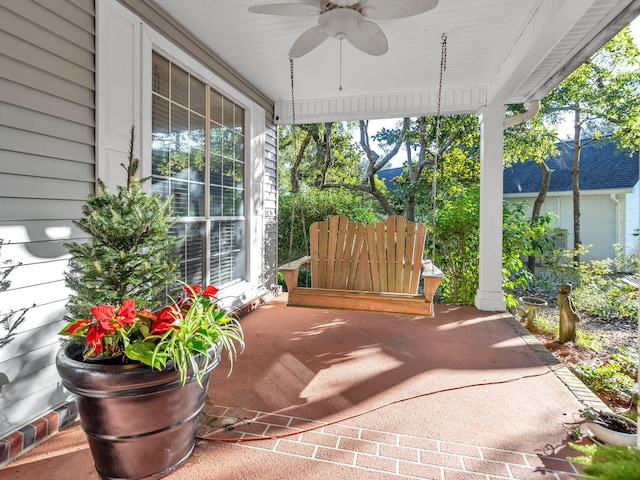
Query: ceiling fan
pixel 345 19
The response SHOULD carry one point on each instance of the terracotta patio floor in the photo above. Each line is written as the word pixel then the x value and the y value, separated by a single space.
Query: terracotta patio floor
pixel 467 395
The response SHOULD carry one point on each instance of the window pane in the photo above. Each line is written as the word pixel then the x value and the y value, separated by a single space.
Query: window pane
pixel 238 122
pixel 227 244
pixel 215 201
pixel 227 113
pixel 179 148
pixel 215 170
pixel 160 186
pixel 216 106
pixel 160 75
pixel 239 203
pixel 227 173
pixel 239 147
pixel 239 175
pixel 197 100
pixel 160 139
pixel 180 201
pixel 228 197
pixel 196 199
pixel 216 133
pixel 179 86
pixel 190 248
pixel 228 149
pixel 197 144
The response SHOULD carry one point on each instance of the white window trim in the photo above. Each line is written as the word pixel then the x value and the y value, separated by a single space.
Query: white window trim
pixel 127 60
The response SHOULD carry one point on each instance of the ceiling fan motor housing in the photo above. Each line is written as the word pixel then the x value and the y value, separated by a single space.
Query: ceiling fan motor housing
pixel 340 22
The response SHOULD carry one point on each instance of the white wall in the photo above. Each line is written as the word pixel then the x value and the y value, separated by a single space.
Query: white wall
pixel 603 221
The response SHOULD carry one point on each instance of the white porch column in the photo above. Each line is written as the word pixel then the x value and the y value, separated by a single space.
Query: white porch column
pixel 490 296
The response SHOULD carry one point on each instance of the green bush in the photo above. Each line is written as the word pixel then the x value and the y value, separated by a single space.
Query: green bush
pixel 615 377
pixel 608 462
pixel 596 290
pixel 607 298
pixel 298 211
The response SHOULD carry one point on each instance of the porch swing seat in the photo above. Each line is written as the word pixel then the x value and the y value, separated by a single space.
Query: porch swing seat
pixel 374 268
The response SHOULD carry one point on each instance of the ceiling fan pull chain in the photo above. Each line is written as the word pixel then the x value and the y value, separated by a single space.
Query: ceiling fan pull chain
pixel 340 88
pixel 293 103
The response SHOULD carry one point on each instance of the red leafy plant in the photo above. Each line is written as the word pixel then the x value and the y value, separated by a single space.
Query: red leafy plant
pixel 181 333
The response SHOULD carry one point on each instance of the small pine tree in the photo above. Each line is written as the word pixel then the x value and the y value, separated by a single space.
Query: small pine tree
pixel 130 252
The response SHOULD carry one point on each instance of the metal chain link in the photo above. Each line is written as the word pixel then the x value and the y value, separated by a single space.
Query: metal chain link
pixel 293 103
pixel 443 67
pixel 296 147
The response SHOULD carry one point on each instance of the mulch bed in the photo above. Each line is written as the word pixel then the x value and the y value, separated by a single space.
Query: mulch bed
pixel 612 333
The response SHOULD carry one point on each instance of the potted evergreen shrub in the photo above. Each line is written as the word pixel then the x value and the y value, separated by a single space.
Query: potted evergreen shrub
pixel 140 349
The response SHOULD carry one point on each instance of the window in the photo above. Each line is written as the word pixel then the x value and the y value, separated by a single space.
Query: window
pixel 198 138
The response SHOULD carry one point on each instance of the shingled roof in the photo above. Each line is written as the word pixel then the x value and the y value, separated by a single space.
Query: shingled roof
pixel 388 175
pixel 602 167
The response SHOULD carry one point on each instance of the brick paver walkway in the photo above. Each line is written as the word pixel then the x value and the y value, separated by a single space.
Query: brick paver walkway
pixel 409 456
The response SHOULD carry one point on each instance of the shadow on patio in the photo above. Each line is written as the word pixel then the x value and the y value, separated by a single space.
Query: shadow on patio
pixel 458 396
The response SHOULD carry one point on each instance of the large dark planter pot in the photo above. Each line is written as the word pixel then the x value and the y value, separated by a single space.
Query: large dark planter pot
pixel 140 422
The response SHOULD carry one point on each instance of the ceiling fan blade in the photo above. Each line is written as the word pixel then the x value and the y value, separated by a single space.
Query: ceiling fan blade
pixel 385 10
pixel 369 38
pixel 307 42
pixel 305 9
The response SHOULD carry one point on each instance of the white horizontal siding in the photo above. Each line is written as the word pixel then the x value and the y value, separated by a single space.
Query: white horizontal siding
pixel 41 273
pixel 47 169
pixel 20 186
pixel 16 163
pixel 17 209
pixel 34 405
pixel 16 94
pixel 270 204
pixel 45 320
pixel 39 231
pixel 20 118
pixel 14 140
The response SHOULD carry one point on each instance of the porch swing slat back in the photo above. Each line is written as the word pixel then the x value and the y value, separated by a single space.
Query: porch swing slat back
pixel 374 267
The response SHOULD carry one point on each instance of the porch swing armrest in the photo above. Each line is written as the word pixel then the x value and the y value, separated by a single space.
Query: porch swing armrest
pixel 430 270
pixel 290 271
pixel 431 278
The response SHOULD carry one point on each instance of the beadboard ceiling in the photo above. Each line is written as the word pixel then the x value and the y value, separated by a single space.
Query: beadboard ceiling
pixel 498 52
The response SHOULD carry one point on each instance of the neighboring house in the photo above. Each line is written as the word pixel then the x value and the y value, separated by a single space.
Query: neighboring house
pixel 74 77
pixel 609 196
pixel 388 175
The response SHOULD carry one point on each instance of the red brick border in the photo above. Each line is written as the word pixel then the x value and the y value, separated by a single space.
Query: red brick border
pixel 36 432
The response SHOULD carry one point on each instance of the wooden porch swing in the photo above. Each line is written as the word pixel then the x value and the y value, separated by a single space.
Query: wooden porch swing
pixel 376 267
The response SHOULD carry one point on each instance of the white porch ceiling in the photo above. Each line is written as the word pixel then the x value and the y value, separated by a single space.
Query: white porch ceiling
pixel 499 52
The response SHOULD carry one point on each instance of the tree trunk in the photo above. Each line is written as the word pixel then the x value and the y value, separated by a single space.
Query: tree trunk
pixel 575 175
pixel 411 198
pixel 295 186
pixel 326 146
pixel 537 206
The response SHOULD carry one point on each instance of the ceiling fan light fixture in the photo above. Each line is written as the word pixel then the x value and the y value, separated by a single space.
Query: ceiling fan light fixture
pixel 344 3
pixel 339 23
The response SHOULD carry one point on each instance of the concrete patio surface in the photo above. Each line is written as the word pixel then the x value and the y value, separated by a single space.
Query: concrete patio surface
pixel 337 394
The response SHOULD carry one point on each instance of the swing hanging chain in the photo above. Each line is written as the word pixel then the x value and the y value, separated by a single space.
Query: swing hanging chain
pixel 296 148
pixel 443 67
